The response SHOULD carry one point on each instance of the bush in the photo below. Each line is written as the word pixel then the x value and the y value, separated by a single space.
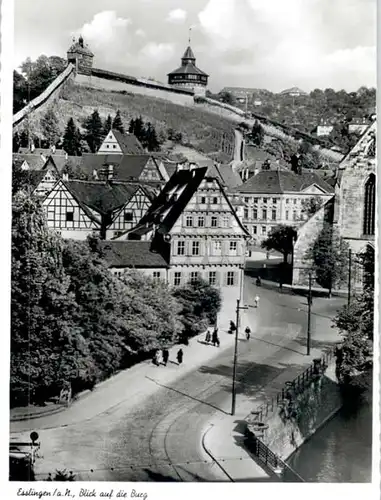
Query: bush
pixel 200 305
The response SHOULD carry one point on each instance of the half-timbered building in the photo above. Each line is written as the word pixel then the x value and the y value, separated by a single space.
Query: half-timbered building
pixel 78 208
pixel 194 226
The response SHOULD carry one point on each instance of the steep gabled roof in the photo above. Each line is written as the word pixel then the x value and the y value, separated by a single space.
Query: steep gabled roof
pixel 43 151
pixel 133 254
pixel 281 181
pixel 100 196
pixel 35 162
pixel 172 200
pixel 125 167
pixel 128 143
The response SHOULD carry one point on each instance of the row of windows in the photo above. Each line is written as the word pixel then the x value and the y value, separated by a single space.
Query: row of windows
pixel 202 221
pixel 213 277
pixel 265 213
pixel 271 200
pixel 213 200
pixel 195 248
pixel 230 278
pixel 255 229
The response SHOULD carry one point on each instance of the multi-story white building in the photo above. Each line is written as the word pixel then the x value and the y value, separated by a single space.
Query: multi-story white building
pixel 274 197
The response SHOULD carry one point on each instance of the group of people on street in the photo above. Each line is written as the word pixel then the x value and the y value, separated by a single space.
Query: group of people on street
pixel 162 357
pixel 212 337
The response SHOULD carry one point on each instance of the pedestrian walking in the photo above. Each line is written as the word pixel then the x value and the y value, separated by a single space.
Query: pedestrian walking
pixel 214 338
pixel 248 333
pixel 256 301
pixel 208 336
pixel 165 356
pixel 155 358
pixel 180 355
pixel 218 342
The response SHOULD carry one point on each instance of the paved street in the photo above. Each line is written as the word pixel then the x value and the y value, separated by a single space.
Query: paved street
pixel 156 434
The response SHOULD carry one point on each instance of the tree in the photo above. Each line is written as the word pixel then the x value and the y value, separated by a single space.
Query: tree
pixel 354 361
pixel 226 97
pixel 257 134
pixel 72 140
pixel 43 309
pixel 20 91
pixel 137 128
pixel 50 128
pixel 16 142
pixel 24 139
pixel 117 123
pixel 200 305
pixel 329 255
pixel 107 125
pixel 94 131
pixel 310 206
pixel 151 141
pixel 281 238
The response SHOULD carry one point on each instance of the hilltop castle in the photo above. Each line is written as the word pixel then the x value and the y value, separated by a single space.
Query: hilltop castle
pixel 188 76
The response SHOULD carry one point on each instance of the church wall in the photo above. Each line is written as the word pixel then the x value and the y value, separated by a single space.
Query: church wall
pixel 352 191
pixel 307 234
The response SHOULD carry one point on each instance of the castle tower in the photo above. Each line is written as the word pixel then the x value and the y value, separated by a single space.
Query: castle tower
pixel 188 75
pixel 81 56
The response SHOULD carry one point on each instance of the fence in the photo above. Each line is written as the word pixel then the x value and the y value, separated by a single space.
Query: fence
pixel 276 464
pixel 297 385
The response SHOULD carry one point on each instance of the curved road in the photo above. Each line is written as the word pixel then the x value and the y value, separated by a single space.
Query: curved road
pixel 159 438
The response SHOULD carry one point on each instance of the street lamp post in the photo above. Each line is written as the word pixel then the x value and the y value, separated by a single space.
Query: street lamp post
pixel 309 313
pixel 349 276
pixel 235 355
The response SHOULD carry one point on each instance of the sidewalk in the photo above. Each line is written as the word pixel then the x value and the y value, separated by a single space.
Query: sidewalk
pixel 102 399
pixel 223 439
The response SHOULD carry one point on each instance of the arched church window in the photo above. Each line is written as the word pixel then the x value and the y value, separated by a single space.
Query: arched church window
pixel 370 205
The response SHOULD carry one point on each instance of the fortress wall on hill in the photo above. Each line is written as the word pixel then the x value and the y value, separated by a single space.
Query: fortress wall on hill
pixel 116 85
pixel 46 98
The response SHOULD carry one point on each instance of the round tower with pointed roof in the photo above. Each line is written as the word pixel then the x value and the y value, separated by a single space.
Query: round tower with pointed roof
pixel 188 75
pixel 81 56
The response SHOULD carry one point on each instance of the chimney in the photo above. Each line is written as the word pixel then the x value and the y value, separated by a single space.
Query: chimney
pixel 53 149
pixel 110 172
pixel 32 147
pixel 65 177
pixel 66 156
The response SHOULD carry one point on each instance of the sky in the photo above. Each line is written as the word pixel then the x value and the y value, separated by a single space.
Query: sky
pixel 271 44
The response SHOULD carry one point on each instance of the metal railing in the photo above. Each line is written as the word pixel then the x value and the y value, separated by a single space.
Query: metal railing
pixel 275 463
pixel 297 385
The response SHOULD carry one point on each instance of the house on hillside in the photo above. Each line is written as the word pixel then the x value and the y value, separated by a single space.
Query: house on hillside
pixel 140 167
pixel 194 226
pixel 77 209
pixel 274 197
pixel 293 92
pixel 116 143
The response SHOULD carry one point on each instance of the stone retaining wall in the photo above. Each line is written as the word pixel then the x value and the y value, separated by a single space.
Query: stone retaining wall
pixel 321 401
